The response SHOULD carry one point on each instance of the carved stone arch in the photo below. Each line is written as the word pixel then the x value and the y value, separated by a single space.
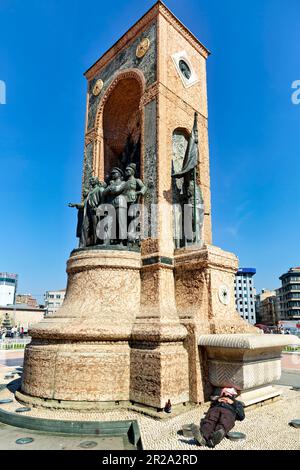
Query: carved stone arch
pixel 134 80
pixel 121 75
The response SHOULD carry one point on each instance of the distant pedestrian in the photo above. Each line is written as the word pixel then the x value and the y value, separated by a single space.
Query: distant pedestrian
pixel 220 418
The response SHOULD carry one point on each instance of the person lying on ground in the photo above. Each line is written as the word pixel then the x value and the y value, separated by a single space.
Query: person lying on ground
pixel 224 410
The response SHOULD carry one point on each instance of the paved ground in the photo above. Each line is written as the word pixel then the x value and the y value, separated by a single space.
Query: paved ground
pixel 290 377
pixel 43 441
pixel 290 361
pixel 265 427
pixel 11 358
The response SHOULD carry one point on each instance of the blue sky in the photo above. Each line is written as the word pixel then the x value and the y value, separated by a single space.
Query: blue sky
pixel 46 45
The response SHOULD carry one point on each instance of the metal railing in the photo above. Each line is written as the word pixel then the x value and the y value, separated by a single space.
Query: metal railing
pixel 14 343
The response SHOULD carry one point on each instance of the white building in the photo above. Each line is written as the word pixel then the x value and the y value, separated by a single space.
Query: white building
pixel 54 300
pixel 8 288
pixel 245 294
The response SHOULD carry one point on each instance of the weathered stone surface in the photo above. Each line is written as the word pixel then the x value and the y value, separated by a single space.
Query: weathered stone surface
pixel 164 374
pixel 150 160
pixel 125 59
pixel 81 353
pixel 244 361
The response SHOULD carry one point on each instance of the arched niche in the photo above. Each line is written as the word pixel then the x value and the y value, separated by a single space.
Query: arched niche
pixel 122 125
pixel 180 140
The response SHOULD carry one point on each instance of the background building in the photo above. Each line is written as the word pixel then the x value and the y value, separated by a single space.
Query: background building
pixel 289 295
pixel 26 299
pixel 267 308
pixel 245 294
pixel 54 300
pixel 8 288
pixel 20 315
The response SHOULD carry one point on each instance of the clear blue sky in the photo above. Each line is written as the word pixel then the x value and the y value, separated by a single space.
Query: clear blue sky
pixel 46 45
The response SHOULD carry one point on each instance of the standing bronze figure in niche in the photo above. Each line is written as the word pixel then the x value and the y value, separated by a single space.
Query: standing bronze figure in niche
pixel 191 201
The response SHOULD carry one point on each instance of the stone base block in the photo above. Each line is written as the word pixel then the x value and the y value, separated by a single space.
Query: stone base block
pixel 77 372
pixel 246 362
pixel 158 373
pixel 260 394
pixel 81 353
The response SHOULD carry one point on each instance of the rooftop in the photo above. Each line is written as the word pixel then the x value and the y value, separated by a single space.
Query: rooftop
pixel 290 272
pixel 246 271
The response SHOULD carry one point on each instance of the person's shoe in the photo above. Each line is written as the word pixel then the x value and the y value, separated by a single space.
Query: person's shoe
pixel 210 443
pixel 197 435
pixel 218 436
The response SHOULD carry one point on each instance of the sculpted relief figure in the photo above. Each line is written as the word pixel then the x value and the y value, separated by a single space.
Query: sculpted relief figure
pixel 109 213
pixel 191 199
pixel 194 211
pixel 114 196
pixel 87 217
pixel 134 191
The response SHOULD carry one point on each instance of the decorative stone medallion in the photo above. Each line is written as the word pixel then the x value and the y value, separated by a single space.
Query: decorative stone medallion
pixel 142 48
pixel 185 68
pixel 98 87
pixel 224 294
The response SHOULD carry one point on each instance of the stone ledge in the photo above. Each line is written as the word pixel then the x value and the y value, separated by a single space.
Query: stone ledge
pixel 261 395
pixel 247 341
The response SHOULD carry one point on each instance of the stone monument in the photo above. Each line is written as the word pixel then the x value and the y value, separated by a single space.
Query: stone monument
pixel 139 301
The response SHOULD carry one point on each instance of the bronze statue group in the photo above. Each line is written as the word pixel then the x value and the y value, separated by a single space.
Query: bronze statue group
pixel 109 212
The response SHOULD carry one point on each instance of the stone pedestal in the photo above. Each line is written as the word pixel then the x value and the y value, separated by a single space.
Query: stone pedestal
pixel 250 363
pixel 201 276
pixel 159 360
pixel 81 353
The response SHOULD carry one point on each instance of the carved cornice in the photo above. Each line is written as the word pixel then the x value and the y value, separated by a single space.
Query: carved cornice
pixel 128 37
pixel 90 137
pixel 138 28
pixel 208 257
pixel 149 95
